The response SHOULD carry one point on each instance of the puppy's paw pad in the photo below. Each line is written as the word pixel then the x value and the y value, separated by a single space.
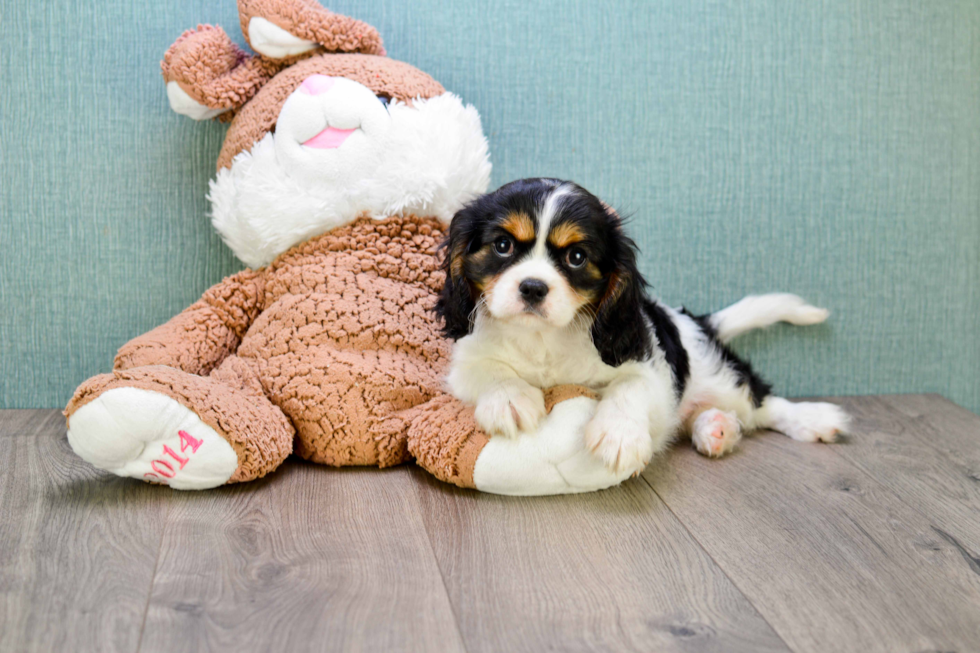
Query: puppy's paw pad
pixel 510 409
pixel 715 432
pixel 622 443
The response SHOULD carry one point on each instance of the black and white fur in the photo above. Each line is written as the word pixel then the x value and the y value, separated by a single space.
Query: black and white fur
pixel 526 319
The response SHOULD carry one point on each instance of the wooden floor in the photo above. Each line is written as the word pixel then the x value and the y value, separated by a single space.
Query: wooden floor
pixel 872 544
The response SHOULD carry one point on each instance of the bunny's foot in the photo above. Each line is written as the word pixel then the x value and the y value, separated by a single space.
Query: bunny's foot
pixel 162 425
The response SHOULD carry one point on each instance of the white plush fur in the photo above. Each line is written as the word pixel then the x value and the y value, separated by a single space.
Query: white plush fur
pixel 428 159
pixel 185 105
pixel 552 460
pixel 273 41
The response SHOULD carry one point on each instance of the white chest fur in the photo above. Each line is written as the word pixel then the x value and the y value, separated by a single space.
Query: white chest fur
pixel 542 357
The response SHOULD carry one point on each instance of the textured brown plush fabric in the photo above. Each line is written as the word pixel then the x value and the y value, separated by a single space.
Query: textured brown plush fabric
pixel 446 441
pixel 347 342
pixel 308 20
pixel 337 333
pixel 384 76
pixel 201 336
pixel 214 71
pixel 560 393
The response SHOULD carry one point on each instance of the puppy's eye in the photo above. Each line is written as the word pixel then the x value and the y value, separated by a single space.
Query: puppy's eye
pixel 504 246
pixel 576 257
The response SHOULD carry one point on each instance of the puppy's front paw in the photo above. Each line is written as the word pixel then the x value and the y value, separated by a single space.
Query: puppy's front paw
pixel 620 441
pixel 510 408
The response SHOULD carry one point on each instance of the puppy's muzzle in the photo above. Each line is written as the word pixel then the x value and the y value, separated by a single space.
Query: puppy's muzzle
pixel 533 291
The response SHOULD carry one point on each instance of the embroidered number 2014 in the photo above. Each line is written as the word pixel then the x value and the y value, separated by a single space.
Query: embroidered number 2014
pixel 165 467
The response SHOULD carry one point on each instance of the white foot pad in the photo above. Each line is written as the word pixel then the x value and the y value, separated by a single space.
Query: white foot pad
pixel 715 432
pixel 185 105
pixel 149 436
pixel 273 41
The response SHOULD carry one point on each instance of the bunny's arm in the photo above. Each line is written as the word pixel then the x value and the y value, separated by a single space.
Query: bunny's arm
pixel 208 75
pixel 197 339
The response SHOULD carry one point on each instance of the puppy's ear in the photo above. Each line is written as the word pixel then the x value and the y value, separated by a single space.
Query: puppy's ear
pixel 456 303
pixel 619 330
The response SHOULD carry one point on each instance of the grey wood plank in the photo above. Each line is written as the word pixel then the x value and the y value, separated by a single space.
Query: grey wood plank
pixel 77 546
pixel 612 571
pixel 913 446
pixel 309 559
pixel 23 423
pixel 829 556
pixel 952 429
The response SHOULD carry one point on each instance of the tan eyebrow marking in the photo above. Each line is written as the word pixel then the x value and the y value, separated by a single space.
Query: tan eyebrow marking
pixel 520 226
pixel 565 234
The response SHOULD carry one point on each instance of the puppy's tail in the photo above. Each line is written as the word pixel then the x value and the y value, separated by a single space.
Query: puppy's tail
pixel 758 311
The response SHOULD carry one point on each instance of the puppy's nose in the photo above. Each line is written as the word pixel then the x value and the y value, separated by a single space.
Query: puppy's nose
pixel 533 290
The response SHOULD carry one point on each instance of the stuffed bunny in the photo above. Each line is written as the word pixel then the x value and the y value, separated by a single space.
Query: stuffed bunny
pixel 339 172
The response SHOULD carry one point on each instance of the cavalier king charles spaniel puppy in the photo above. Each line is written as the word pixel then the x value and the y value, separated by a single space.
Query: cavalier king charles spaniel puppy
pixel 542 289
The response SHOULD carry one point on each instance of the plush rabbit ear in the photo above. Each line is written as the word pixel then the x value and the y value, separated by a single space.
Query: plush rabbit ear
pixel 208 76
pixel 286 29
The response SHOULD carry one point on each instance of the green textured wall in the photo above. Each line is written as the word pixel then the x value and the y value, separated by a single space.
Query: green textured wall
pixel 826 147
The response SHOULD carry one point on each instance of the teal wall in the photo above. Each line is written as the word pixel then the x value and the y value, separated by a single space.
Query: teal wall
pixel 825 147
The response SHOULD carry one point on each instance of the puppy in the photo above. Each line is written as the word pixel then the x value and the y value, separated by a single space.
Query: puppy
pixel 542 289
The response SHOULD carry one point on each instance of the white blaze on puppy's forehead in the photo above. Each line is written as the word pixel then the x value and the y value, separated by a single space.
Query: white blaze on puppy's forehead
pixel 559 305
pixel 546 216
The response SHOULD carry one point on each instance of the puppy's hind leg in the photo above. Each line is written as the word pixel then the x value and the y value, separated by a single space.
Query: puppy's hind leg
pixel 715 432
pixel 803 421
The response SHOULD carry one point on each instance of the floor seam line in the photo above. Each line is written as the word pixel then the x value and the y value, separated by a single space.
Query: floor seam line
pixel 442 577
pixel 153 577
pixel 723 571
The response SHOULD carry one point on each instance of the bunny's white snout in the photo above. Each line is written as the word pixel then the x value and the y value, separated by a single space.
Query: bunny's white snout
pixel 339 153
pixel 331 128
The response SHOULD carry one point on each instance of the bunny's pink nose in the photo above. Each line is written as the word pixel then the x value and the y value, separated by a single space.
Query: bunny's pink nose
pixel 317 84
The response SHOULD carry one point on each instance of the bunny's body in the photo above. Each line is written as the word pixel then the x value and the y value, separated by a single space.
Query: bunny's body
pixel 339 172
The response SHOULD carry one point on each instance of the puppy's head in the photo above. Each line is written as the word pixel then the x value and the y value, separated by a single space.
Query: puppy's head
pixel 541 253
